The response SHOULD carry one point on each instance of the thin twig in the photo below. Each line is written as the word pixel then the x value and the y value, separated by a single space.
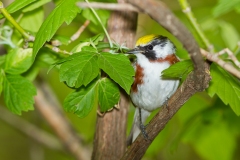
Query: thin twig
pixel 30 130
pixel 230 55
pixel 56 49
pixel 103 27
pixel 227 66
pixel 79 31
pixel 14 23
pixel 193 21
pixel 75 36
pixel 109 6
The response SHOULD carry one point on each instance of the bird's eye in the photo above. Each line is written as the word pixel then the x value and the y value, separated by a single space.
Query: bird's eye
pixel 150 47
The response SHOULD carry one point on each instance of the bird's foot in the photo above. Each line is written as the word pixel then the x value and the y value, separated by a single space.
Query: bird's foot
pixel 142 128
pixel 166 103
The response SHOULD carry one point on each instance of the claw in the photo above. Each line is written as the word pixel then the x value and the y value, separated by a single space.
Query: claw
pixel 166 102
pixel 145 135
pixel 142 127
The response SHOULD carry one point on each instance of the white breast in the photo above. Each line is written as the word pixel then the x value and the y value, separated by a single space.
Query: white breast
pixel 154 91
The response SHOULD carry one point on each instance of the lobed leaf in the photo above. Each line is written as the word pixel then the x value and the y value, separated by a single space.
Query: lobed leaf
pixel 108 93
pixel 82 100
pixel 80 69
pixel 226 87
pixel 18 93
pixel 118 67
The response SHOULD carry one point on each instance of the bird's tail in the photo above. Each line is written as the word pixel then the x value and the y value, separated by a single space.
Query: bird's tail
pixel 135 130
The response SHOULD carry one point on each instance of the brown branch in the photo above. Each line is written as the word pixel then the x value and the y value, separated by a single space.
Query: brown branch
pixel 157 124
pixel 30 130
pixel 110 136
pixel 75 36
pixel 227 66
pixel 195 82
pixel 160 13
pixel 79 31
pixel 48 106
pixel 109 6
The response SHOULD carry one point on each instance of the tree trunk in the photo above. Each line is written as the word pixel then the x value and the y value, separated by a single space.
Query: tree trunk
pixel 110 136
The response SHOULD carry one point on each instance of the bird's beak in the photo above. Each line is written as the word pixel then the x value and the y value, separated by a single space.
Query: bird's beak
pixel 135 51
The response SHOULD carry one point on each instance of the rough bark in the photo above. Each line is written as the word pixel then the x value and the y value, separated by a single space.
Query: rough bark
pixel 110 136
pixel 197 81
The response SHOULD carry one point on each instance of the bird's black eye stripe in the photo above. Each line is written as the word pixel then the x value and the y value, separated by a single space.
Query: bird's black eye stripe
pixel 150 47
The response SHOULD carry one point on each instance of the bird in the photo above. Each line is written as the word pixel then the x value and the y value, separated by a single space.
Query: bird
pixel 149 91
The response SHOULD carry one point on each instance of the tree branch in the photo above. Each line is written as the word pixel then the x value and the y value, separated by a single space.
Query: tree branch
pixel 227 66
pixel 47 105
pixel 195 82
pixel 110 136
pixel 109 6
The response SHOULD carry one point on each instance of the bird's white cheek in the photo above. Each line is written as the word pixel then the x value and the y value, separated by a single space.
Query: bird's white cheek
pixel 164 51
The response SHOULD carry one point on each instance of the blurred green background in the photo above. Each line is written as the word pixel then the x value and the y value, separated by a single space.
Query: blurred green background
pixel 204 128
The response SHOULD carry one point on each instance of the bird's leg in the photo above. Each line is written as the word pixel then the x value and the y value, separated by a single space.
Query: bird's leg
pixel 166 103
pixel 142 127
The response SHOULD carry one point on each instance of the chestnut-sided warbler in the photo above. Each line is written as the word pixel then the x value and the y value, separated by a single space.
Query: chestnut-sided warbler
pixel 150 91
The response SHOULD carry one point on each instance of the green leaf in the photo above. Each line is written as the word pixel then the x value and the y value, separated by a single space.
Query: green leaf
pixel 63 39
pixel 226 87
pixel 118 67
pixel 81 69
pixel 45 58
pixel 65 11
pixel 18 61
pixel 35 5
pixel 87 42
pixel 82 100
pixel 17 5
pixel 94 25
pixel 225 6
pixel 18 93
pixel 178 70
pixel 1 80
pixel 31 21
pixel 2 60
pixel 229 34
pixel 99 37
pixel 108 93
pixel 218 133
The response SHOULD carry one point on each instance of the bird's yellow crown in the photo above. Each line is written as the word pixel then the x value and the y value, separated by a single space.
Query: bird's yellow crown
pixel 146 39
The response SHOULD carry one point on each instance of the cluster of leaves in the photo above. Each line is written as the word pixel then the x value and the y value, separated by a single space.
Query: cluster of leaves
pixel 82 71
pixel 96 75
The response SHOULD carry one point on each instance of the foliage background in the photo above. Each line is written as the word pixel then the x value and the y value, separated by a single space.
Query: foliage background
pixel 204 128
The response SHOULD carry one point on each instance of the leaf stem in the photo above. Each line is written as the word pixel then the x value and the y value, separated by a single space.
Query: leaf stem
pixel 14 23
pixel 56 49
pixel 187 10
pixel 99 20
